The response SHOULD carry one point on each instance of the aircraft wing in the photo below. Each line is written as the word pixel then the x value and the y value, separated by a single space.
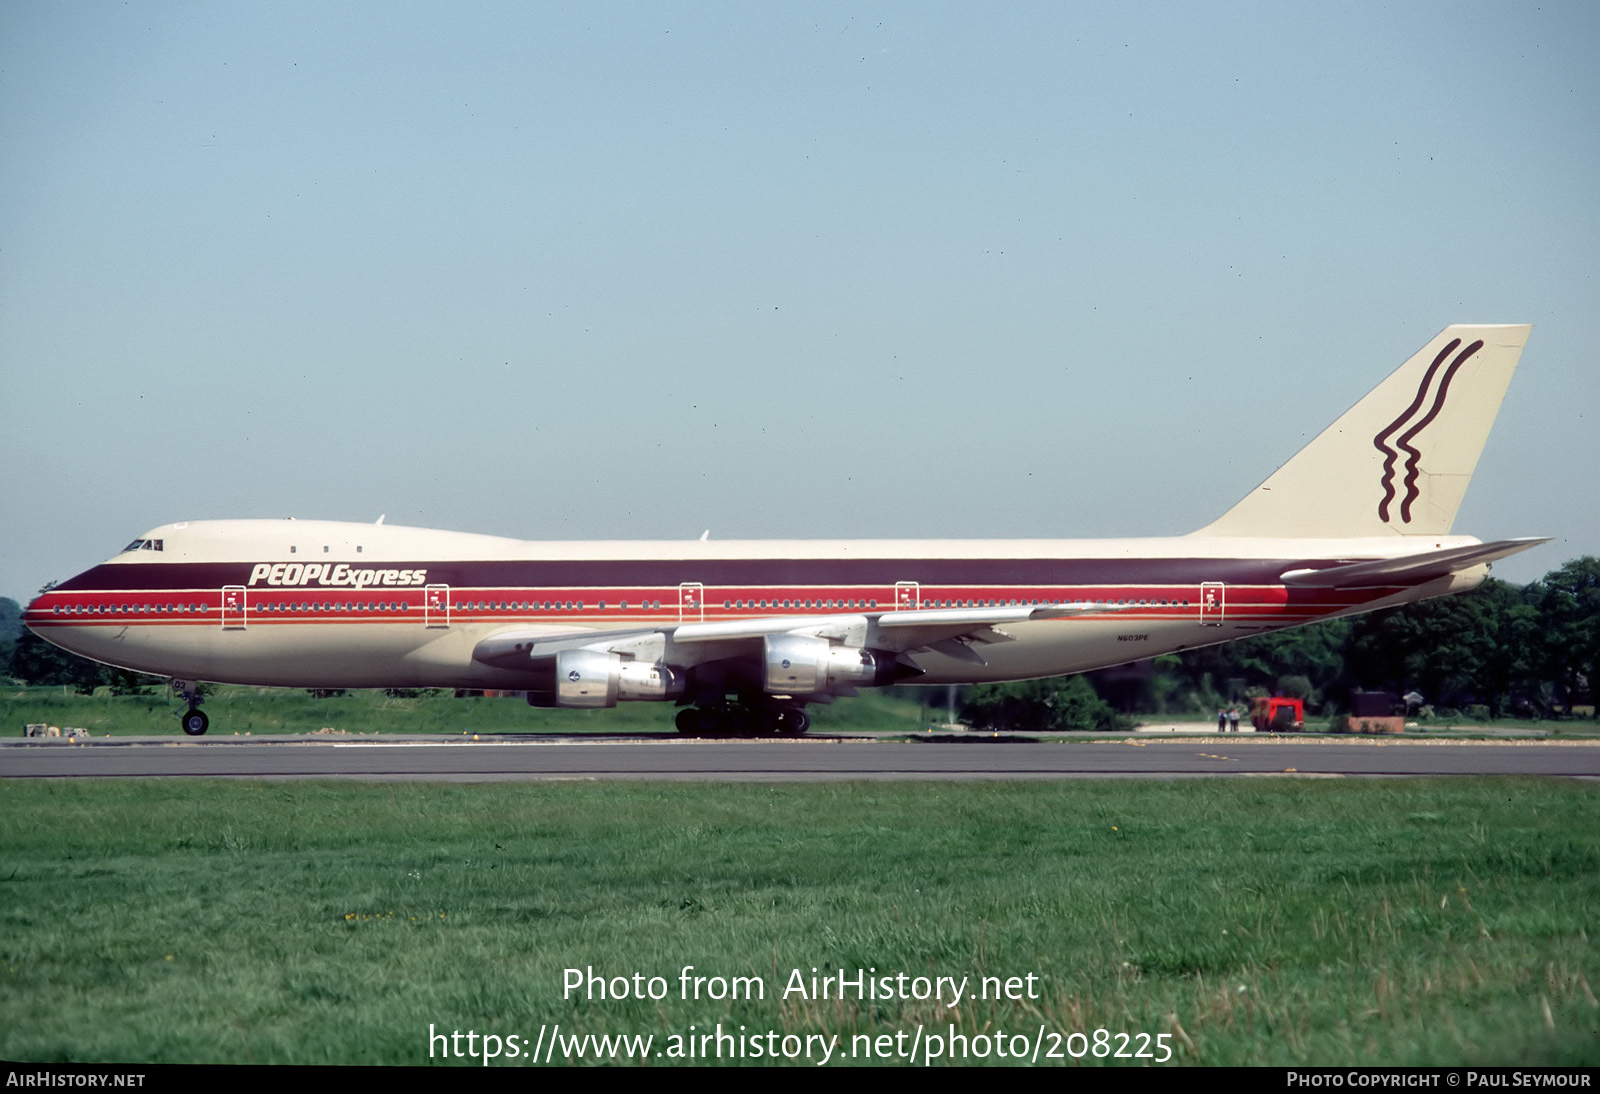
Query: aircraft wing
pixel 951 631
pixel 948 630
pixel 907 620
pixel 1408 570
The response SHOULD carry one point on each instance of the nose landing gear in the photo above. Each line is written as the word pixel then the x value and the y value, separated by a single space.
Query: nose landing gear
pixel 194 721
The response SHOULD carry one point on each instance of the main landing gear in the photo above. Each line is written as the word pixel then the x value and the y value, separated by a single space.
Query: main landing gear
pixel 737 720
pixel 193 720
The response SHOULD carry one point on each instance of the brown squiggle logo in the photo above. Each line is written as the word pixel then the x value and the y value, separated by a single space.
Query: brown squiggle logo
pixel 1390 454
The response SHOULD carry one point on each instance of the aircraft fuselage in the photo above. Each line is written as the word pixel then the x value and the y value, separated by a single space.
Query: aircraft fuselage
pixel 318 604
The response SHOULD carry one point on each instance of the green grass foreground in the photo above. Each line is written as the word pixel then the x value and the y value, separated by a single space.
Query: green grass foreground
pixel 1252 921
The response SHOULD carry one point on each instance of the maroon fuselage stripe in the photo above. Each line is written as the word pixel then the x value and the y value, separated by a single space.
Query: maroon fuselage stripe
pixel 726 573
pixel 97 603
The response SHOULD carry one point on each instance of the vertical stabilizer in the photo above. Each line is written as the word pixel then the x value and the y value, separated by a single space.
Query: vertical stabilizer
pixel 1400 459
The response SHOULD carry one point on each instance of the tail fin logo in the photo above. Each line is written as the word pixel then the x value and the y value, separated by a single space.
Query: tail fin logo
pixel 1391 453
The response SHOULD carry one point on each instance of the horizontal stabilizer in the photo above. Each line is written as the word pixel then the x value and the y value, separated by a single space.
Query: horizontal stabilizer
pixel 1408 570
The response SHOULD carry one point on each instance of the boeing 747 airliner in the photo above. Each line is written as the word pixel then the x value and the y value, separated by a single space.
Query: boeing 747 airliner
pixel 742 635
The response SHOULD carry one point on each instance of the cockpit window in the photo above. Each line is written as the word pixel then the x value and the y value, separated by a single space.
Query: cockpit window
pixel 144 545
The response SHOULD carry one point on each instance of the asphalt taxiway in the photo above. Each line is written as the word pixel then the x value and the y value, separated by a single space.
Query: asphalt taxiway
pixel 523 758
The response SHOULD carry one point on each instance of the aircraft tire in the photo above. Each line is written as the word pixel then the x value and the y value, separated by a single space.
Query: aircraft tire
pixel 688 722
pixel 195 722
pixel 739 721
pixel 709 722
pixel 793 721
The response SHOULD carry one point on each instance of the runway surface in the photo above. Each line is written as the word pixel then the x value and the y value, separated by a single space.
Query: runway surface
pixel 810 759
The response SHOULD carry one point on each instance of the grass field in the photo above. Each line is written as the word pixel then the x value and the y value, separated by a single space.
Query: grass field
pixel 1250 921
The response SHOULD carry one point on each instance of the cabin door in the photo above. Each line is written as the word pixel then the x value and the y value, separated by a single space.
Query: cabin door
pixel 436 606
pixel 691 602
pixel 233 607
pixel 907 596
pixel 1212 602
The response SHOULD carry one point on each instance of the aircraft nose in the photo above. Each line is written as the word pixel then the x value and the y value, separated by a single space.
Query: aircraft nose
pixel 38 609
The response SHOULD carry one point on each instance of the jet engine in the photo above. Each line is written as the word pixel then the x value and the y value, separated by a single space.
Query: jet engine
pixel 797 664
pixel 591 678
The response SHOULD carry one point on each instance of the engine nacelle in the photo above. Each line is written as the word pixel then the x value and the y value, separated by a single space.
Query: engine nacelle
pixel 798 664
pixel 591 678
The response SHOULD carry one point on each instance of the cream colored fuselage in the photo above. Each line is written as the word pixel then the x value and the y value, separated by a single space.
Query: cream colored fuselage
pixel 331 605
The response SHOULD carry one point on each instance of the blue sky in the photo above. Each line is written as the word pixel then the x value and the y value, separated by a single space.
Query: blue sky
pixel 637 271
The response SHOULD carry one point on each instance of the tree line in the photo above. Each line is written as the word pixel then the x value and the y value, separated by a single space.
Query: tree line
pixel 1503 650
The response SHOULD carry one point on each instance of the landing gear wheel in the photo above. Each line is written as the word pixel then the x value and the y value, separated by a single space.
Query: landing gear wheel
pixel 195 722
pixel 741 721
pixel 708 722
